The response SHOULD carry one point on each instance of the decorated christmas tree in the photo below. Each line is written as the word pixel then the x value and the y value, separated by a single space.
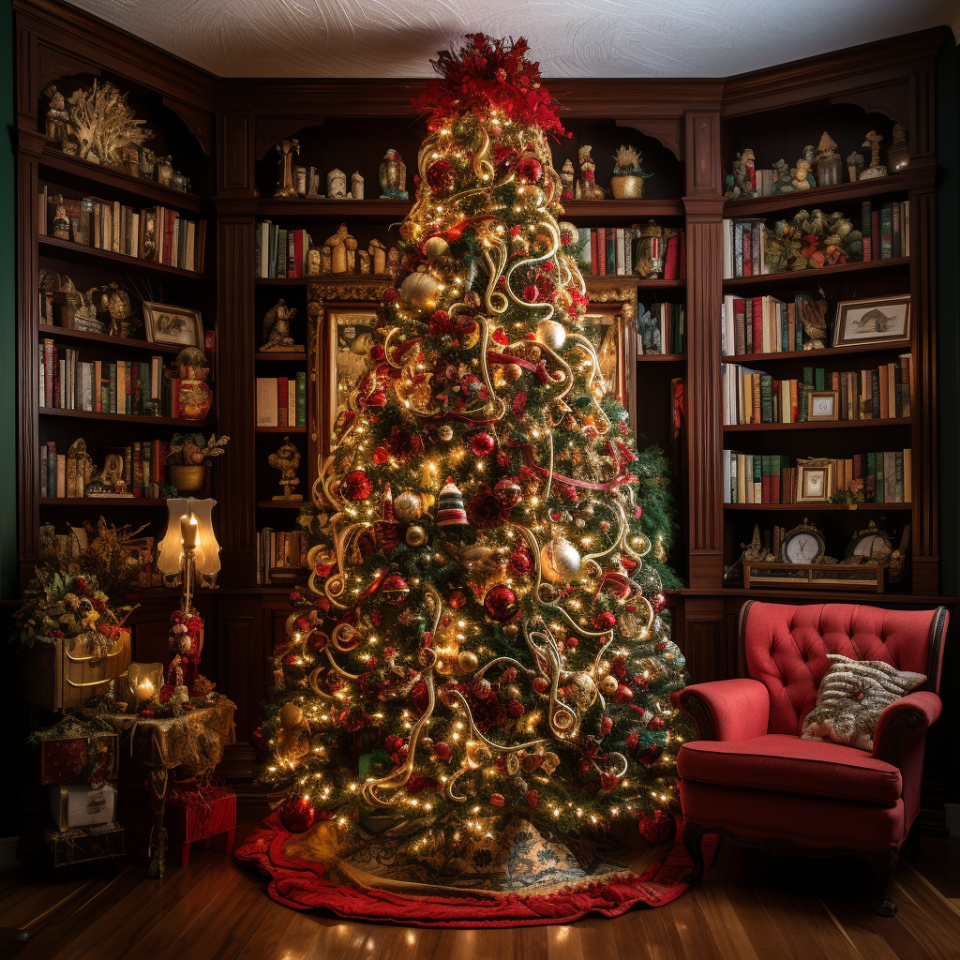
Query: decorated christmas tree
pixel 481 639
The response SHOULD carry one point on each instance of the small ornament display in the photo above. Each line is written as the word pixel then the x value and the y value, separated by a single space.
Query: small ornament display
pixel 587 187
pixel 568 179
pixel 811 240
pixel 342 249
pixel 742 182
pixel 628 175
pixel 189 459
pixel 286 459
pixel 336 185
pixel 898 153
pixel 876 168
pixel 276 329
pixel 827 162
pixel 196 397
pixel 393 177
pixel 356 186
pixel 289 150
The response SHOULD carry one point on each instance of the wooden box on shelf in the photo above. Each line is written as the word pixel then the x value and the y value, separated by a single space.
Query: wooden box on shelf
pixel 870 578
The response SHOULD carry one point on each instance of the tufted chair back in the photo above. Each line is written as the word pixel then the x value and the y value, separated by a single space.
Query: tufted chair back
pixel 785 647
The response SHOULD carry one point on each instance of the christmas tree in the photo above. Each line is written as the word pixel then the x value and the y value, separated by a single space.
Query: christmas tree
pixel 482 636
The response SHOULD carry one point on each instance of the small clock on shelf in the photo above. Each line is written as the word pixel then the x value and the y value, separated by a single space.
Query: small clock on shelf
pixel 803 544
pixel 872 545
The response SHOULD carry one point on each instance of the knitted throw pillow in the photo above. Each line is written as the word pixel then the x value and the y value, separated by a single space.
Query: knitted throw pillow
pixel 851 698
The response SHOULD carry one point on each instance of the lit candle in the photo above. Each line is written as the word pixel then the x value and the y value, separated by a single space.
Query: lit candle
pixel 145 689
pixel 188 530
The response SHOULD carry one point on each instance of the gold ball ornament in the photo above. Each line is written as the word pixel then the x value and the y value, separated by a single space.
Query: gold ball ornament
pixel 582 690
pixel 436 247
pixel 420 291
pixel 416 536
pixel 408 506
pixel 467 661
pixel 551 334
pixel 445 432
pixel 608 685
pixel 291 715
pixel 559 560
pixel 446 666
pixel 511 629
pixel 512 764
pixel 512 372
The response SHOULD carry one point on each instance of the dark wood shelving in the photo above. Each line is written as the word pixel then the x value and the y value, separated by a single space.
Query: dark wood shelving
pixel 281 429
pixel 282 281
pixel 105 501
pixel 817 507
pixel 815 276
pixel 281 504
pixel 280 355
pixel 863 349
pixel 661 357
pixel 332 278
pixel 64 333
pixel 79 172
pixel 77 251
pixel 620 209
pixel 125 418
pixel 817 425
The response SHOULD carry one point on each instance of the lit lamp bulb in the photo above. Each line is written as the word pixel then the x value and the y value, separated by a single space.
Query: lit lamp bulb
pixel 145 689
pixel 188 530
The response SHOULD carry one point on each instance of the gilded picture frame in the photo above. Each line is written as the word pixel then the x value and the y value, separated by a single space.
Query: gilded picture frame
pixel 880 320
pixel 172 326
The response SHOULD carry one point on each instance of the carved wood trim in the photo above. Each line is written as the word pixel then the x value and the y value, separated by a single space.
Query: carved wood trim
pixel 272 129
pixel 704 168
pixel 235 174
pixel 666 130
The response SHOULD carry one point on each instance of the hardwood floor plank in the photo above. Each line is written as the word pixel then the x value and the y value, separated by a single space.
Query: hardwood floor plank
pixel 648 933
pixel 564 942
pixel 857 921
pixel 598 939
pixel 333 939
pixel 926 891
pixel 298 939
pixel 932 924
pixel 721 915
pixel 270 935
pixel 366 940
pixel 696 935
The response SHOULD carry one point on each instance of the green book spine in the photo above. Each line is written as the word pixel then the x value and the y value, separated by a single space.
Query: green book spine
pixel 766 398
pixel 758 479
pixel 886 232
pixel 821 378
pixel 128 380
pixel 802 390
pixel 880 480
pixel 112 407
pixel 302 398
pixel 898 466
pixel 870 481
pixel 808 376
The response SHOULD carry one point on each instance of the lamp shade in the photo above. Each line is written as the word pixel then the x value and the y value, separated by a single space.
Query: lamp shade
pixel 170 550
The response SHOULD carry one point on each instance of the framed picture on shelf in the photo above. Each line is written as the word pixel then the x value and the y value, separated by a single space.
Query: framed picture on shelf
pixel 880 320
pixel 816 480
pixel 174 326
pixel 823 405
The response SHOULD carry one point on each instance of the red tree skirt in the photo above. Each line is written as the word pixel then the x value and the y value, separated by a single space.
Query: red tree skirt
pixel 301 884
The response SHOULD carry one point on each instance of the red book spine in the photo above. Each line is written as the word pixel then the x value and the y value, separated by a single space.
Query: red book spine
pixel 175 399
pixel 169 222
pixel 875 233
pixel 137 471
pixel 747 263
pixel 297 253
pixel 758 324
pixel 671 261
pixel 602 250
pixel 49 376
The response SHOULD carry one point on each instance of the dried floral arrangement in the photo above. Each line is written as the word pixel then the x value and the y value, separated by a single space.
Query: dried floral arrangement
pixel 629 163
pixel 191 449
pixel 813 240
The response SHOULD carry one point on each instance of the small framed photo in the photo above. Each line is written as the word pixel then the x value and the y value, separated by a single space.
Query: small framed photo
pixel 815 484
pixel 880 320
pixel 175 326
pixel 823 405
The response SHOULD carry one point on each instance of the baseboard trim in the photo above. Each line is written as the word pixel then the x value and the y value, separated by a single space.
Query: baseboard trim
pixel 8 853
pixel 951 817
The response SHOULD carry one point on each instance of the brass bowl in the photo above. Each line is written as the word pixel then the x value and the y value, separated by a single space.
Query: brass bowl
pixel 627 188
pixel 187 478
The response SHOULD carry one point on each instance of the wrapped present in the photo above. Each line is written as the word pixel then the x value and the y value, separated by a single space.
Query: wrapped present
pixel 196 812
pixel 80 805
pixel 59 673
pixel 82 844
pixel 77 752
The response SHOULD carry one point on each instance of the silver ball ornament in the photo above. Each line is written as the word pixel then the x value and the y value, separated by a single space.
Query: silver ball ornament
pixel 436 247
pixel 408 506
pixel 559 560
pixel 551 334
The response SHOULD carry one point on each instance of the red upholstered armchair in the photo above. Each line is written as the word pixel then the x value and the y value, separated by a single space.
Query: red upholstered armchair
pixel 751 778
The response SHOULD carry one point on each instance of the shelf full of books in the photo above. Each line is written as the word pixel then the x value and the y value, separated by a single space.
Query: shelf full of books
pixel 281 555
pixel 282 401
pixel 139 464
pixel 649 252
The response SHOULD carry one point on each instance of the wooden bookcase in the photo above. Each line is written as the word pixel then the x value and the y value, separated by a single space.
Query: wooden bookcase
pixel 688 130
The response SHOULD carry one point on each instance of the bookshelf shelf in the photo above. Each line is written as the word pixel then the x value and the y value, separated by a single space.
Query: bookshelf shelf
pixel 815 276
pixel 864 350
pixel 817 425
pixel 78 252
pixel 77 174
pixel 661 357
pixel 281 429
pixel 64 333
pixel 125 418
pixel 105 501
pixel 817 507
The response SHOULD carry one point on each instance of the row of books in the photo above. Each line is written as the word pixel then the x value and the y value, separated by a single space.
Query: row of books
pixel 769 478
pixel 282 401
pixel 615 251
pixel 760 325
pixel 280 253
pixel 881 393
pixel 156 234
pixel 67 474
pixel 96 386
pixel 280 550
pixel 662 329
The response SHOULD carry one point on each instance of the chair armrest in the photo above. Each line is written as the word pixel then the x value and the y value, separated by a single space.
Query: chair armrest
pixel 906 717
pixel 726 709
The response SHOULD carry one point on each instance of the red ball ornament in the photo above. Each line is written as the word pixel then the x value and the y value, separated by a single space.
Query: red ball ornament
pixel 297 815
pixel 497 799
pixel 520 562
pixel 529 169
pixel 510 674
pixel 606 725
pixel 508 491
pixel 533 798
pixel 658 602
pixel 656 723
pixel 540 684
pixel 442 751
pixel 500 603
pixel 515 709
pixel 393 743
pixel 531 294
pixel 604 621
pixel 390 295
pixel 658 827
pixel 482 444
pixel 624 694
pixel 395 589
pixel 356 486
pixel 456 599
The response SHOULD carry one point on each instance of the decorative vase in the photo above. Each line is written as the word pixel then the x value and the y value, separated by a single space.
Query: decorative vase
pixel 195 400
pixel 627 187
pixel 187 478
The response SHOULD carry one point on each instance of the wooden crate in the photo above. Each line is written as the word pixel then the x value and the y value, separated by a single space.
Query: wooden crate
pixel 815 576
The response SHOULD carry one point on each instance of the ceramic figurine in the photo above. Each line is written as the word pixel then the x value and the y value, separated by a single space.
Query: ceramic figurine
pixel 587 187
pixel 876 169
pixel 300 181
pixel 648 262
pixel 313 263
pixel 148 163
pixel 393 177
pixel 744 183
pixel 286 460
pixel 58 127
pixel 356 186
pixel 165 171
pixel 114 301
pixel 108 482
pixel 339 245
pixel 276 329
pixel 351 257
pixel 393 260
pixel 336 184
pixel 192 372
pixel 854 166
pixel 288 150
pixel 802 180
pixel 782 180
pixel 313 183
pixel 898 155
pixel 61 222
pixel 326 261
pixel 567 178
pixel 378 257
pixel 364 257
pixel 827 162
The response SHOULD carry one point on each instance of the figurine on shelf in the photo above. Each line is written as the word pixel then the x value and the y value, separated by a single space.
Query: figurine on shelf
pixel 313 183
pixel 744 175
pixel 286 460
pixel 876 169
pixel 827 162
pixel 393 260
pixel 336 184
pixel 58 127
pixel 393 177
pixel 61 222
pixel 628 175
pixel 567 178
pixel 340 245
pixel 801 177
pixel 148 164
pixel 378 257
pixel 782 179
pixel 148 248
pixel 326 261
pixel 313 262
pixel 813 316
pixel 898 154
pixel 79 468
pixel 648 328
pixel 114 301
pixel 165 171
pixel 363 257
pixel 108 482
pixel 854 166
pixel 189 460
pixel 648 262
pixel 276 329
pixel 356 186
pixel 587 187
pixel 288 150
pixel 300 181
pixel 192 372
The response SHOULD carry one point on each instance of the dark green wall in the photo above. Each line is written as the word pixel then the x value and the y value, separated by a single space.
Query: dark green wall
pixel 8 396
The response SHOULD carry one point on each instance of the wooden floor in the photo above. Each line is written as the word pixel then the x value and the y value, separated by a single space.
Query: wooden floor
pixel 752 906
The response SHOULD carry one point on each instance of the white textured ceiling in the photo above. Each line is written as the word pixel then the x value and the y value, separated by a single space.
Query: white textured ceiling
pixel 570 38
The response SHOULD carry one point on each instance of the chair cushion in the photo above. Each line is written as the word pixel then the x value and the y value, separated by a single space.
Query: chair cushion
pixel 852 696
pixel 788 764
